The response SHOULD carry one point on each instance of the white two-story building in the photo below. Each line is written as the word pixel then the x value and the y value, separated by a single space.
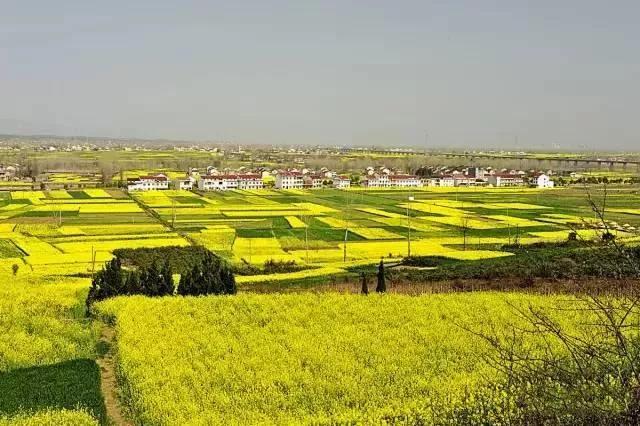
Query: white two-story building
pixel 289 180
pixel 226 182
pixel 313 181
pixel 505 179
pixel 148 183
pixel 185 184
pixel 543 181
pixel 405 181
pixel 377 181
pixel 250 181
pixel 341 182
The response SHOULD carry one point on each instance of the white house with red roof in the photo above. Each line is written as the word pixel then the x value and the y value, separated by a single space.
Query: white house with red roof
pixel 226 182
pixel 377 181
pixel 505 179
pixel 148 183
pixel 250 181
pixel 405 181
pixel 341 182
pixel 289 180
pixel 315 181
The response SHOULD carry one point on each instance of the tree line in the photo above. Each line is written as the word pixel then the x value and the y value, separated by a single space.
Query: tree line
pixel 211 275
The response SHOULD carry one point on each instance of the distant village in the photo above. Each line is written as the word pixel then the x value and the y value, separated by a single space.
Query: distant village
pixel 212 179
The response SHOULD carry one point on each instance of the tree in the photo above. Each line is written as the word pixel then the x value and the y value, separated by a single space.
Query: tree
pixel 108 282
pixel 166 286
pixel 211 276
pixel 150 281
pixel 382 285
pixel 365 285
pixel 15 269
pixel 584 373
pixel 132 284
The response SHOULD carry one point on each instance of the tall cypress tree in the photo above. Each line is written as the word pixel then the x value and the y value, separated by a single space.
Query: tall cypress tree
pixel 382 284
pixel 365 285
pixel 150 281
pixel 108 282
pixel 112 279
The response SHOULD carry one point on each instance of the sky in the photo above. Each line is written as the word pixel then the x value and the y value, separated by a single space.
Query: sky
pixel 465 74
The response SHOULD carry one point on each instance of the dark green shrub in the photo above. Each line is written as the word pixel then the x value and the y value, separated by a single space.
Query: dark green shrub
pixel 212 276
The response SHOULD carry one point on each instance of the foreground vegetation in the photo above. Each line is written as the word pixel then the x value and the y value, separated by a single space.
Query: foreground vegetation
pixel 317 358
pixel 303 358
pixel 47 352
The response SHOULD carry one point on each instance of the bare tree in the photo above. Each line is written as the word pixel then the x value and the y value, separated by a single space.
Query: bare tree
pixel 578 362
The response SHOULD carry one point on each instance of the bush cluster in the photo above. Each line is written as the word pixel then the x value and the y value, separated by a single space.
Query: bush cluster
pixel 210 275
pixel 270 266
pixel 565 261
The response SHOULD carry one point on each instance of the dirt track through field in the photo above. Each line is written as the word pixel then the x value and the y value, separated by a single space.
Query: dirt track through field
pixel 108 382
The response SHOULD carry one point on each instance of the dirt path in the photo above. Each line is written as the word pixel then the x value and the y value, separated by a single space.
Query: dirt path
pixel 108 381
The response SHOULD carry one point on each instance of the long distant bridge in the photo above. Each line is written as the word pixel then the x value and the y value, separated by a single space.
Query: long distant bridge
pixel 558 160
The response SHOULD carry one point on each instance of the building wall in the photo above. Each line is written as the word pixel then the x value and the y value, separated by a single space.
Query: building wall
pixel 289 182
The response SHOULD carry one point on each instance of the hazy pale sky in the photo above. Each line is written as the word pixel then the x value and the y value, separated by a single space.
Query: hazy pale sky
pixel 474 73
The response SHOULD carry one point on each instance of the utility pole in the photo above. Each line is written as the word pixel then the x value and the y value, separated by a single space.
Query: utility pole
pixel 509 225
pixel 93 262
pixel 409 226
pixel 173 213
pixel 306 238
pixel 346 231
pixel 344 247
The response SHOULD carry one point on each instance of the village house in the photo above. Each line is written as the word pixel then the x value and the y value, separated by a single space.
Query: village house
pixel 447 181
pixel 430 181
pixel 462 180
pixel 440 181
pixel 184 184
pixel 405 181
pixel 341 182
pixel 217 183
pixel 313 181
pixel 148 183
pixel 505 179
pixel 543 181
pixel 289 180
pixel 227 182
pixel 7 173
pixel 250 181
pixel 377 181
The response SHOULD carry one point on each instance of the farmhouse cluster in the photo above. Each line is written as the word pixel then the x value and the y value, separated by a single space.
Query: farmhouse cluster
pixel 381 177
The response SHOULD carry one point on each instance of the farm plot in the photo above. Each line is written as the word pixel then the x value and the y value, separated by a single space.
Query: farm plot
pixel 57 229
pixel 305 358
pixel 375 233
pixel 217 239
pixel 47 372
pixel 626 211
pixel 259 250
pixel 68 232
pixel 295 222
